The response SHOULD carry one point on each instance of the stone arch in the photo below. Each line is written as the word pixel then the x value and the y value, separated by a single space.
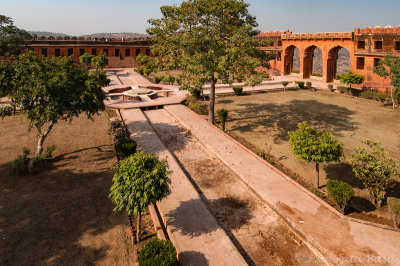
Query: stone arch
pixel 288 59
pixel 333 56
pixel 308 60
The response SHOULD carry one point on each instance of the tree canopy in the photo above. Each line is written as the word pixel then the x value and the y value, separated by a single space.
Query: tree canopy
pixel 48 90
pixel 12 39
pixel 350 78
pixel 389 67
pixel 315 146
pixel 210 41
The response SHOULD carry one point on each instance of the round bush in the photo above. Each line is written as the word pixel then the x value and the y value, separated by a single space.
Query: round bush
pixel 237 90
pixel 340 192
pixel 196 92
pixel 158 252
pixel 126 148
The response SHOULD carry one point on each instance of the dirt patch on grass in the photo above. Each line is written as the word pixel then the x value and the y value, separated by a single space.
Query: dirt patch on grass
pixel 264 120
pixel 62 215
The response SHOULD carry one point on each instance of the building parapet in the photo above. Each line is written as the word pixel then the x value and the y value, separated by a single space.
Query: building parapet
pixel 318 36
pixel 94 39
pixel 378 30
pixel 273 33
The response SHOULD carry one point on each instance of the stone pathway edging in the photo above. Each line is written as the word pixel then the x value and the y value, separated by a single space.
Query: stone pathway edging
pixel 191 227
pixel 362 237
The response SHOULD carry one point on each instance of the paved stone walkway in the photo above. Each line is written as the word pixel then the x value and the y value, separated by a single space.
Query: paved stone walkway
pixel 340 240
pixel 198 238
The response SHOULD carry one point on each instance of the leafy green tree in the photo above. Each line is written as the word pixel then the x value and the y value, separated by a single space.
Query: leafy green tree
pixel 350 78
pixel 374 168
pixel 100 61
pixel 48 90
pixel 284 84
pixel 210 41
pixel 12 39
pixel 389 67
pixel 315 146
pixel 256 80
pixel 139 180
pixel 86 59
pixel 7 86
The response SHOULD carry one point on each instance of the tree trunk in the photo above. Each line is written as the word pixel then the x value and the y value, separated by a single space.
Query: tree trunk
pixel 391 95
pixel 317 168
pixel 132 228
pixel 138 222
pixel 350 92
pixel 211 115
pixel 39 148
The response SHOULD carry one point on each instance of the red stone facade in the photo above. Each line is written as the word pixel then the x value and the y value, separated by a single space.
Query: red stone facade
pixel 366 48
pixel 121 52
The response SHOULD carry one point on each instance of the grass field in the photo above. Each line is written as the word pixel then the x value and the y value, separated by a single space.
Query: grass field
pixel 262 121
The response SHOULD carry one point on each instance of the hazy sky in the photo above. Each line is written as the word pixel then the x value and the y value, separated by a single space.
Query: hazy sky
pixel 78 17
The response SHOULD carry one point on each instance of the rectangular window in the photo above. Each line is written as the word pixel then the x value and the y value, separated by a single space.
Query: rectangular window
pixel 147 52
pixel 360 62
pixel 94 51
pixel 376 61
pixel 279 56
pixel 57 52
pixel 361 45
pixel 70 51
pixel 44 52
pixel 137 52
pixel 105 51
pixel 397 46
pixel 81 52
pixel 116 52
pixel 279 43
pixel 127 52
pixel 378 45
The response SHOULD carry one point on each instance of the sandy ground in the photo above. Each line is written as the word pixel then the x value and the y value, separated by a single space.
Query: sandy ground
pixel 255 229
pixel 264 120
pixel 62 216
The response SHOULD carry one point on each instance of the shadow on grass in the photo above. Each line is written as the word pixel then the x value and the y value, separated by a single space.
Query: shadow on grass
pixel 282 118
pixel 45 216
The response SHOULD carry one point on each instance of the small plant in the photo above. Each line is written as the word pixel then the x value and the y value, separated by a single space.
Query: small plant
pixel 330 87
pixel 195 92
pixel 340 192
pixel 374 168
pixel 222 115
pixel 19 165
pixel 6 111
pixel 394 209
pixel 125 148
pixel 169 79
pixel 300 84
pixel 158 79
pixel 317 75
pixel 317 192
pixel 158 252
pixel 46 155
pixel 350 78
pixel 195 106
pixel 295 71
pixel 309 85
pixel 238 90
pixel 284 84
pixel 121 134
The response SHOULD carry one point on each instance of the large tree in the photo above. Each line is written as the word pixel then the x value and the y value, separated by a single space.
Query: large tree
pixel 389 67
pixel 12 39
pixel 48 90
pixel 210 41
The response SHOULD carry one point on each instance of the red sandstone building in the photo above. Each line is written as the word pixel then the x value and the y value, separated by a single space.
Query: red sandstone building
pixel 121 52
pixel 365 46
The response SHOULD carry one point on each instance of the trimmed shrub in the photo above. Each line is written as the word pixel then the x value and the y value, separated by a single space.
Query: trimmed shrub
pixel 125 148
pixel 238 90
pixel 158 79
pixel 309 85
pixel 340 192
pixel 342 89
pixel 330 87
pixel 285 83
pixel 222 115
pixel 195 92
pixel 5 111
pixel 19 165
pixel 394 209
pixel 300 84
pixel 158 252
pixel 375 96
pixel 195 106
